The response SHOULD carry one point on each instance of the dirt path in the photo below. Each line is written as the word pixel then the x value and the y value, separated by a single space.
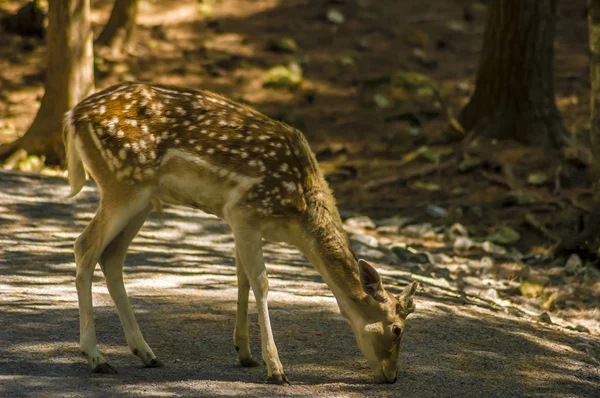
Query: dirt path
pixel 181 278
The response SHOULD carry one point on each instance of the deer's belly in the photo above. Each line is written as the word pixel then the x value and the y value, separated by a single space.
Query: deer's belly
pixel 206 188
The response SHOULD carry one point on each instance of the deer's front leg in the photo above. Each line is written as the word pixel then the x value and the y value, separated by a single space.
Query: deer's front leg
pixel 241 339
pixel 249 249
pixel 112 262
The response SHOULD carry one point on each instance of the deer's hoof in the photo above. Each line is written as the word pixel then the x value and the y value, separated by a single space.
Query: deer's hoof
pixel 251 362
pixel 154 363
pixel 105 368
pixel 279 379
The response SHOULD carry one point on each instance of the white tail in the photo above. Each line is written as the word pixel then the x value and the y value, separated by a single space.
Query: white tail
pixel 145 144
pixel 74 163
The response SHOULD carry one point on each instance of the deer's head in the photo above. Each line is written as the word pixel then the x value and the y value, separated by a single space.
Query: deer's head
pixel 380 326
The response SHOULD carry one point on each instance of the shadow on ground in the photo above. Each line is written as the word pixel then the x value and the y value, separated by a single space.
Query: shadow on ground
pixel 181 278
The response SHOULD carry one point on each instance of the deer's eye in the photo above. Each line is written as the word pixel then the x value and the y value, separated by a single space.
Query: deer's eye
pixel 397 330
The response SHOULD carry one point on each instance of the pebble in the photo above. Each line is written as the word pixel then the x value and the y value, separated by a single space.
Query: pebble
pixel 573 264
pixel 544 317
pixel 463 243
pixel 360 222
pixel 364 251
pixel 397 221
pixel 366 240
pixel 436 211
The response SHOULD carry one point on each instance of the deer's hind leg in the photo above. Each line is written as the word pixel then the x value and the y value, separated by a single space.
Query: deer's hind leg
pixel 112 261
pixel 241 339
pixel 112 217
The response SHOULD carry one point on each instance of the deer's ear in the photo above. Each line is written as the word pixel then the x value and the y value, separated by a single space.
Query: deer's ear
pixel 407 304
pixel 371 281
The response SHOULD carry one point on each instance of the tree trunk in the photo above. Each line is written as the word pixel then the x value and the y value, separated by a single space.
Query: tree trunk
pixel 514 91
pixel 594 40
pixel 587 239
pixel 69 78
pixel 120 26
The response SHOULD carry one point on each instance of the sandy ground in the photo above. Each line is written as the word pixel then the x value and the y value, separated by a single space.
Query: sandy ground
pixel 181 278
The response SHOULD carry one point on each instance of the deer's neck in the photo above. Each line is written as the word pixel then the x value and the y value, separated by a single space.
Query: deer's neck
pixel 327 247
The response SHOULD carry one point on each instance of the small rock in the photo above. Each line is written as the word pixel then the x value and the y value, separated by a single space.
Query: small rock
pixel 580 328
pixel 436 211
pixel 395 221
pixel 573 265
pixel 335 16
pixel 363 251
pixel 408 254
pixel 504 235
pixel 490 247
pixel 462 243
pixel 366 240
pixel 387 229
pixel 360 222
pixel 489 294
pixel 418 230
pixel 486 263
pixel 456 230
pixel 544 317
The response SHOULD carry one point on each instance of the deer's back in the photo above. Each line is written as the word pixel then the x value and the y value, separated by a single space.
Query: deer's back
pixel 182 142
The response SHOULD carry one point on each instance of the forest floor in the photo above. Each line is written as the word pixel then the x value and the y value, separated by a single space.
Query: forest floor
pixel 477 234
pixel 180 275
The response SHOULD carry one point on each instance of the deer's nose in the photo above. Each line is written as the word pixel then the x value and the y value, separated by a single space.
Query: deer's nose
pixel 390 375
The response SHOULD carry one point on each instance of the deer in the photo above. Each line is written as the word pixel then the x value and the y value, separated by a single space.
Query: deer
pixel 145 145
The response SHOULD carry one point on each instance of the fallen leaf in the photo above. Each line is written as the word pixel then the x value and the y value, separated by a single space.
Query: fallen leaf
pixel 504 235
pixel 335 16
pixel 425 186
pixel 284 45
pixel 537 178
pixel 382 101
pixel 281 76
pixel 532 289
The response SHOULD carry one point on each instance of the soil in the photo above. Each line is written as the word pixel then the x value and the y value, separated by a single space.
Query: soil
pixel 180 273
pixel 181 278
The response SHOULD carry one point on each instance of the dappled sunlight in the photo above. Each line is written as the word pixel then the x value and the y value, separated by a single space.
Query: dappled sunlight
pixel 181 278
pixel 184 12
pixel 385 150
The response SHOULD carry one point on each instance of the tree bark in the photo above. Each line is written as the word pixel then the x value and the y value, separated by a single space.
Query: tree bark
pixel 587 239
pixel 514 90
pixel 594 40
pixel 119 29
pixel 69 78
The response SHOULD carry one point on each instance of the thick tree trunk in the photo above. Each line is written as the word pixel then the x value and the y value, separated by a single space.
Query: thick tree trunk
pixel 120 26
pixel 514 92
pixel 594 39
pixel 587 240
pixel 69 78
